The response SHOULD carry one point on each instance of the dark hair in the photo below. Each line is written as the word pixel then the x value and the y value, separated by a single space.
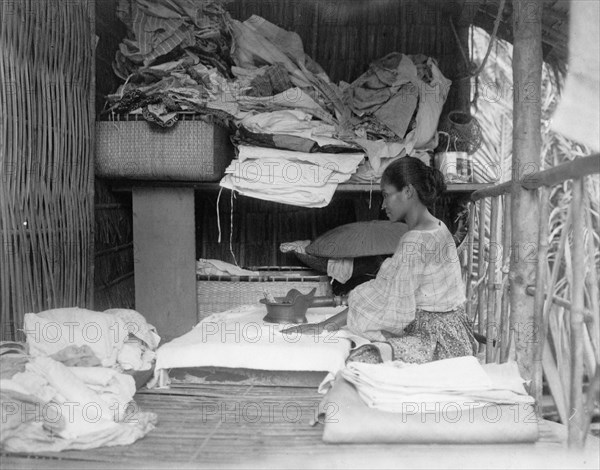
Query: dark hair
pixel 427 181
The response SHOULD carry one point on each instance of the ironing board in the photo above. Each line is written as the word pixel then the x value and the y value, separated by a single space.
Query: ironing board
pixel 239 346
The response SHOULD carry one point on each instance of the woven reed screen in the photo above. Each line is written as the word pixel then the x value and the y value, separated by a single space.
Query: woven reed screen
pixel 46 161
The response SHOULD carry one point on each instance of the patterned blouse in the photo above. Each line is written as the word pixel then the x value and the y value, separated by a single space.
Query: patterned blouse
pixel 423 274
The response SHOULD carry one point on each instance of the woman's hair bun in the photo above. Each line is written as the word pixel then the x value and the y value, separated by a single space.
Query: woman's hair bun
pixel 438 181
pixel 427 181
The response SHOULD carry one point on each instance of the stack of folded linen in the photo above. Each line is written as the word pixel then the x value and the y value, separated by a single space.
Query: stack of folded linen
pixel 296 178
pixel 461 381
pixel 449 401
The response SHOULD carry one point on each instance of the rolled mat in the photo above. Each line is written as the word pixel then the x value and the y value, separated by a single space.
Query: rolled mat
pixel 348 420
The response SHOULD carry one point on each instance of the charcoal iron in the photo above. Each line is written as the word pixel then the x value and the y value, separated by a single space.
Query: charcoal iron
pixel 289 309
pixel 292 308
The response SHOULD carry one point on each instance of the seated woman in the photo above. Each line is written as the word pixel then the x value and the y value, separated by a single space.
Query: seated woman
pixel 413 310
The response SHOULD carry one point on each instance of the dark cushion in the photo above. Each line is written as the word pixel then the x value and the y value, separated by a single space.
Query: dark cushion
pixel 371 238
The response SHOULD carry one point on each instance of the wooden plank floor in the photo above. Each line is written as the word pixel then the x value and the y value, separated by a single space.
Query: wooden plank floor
pixel 248 426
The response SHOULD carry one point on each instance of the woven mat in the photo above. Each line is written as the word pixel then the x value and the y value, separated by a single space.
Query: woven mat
pixel 228 426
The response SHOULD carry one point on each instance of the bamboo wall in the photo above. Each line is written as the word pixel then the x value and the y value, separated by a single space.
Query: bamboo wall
pixel 113 280
pixel 46 160
pixel 259 227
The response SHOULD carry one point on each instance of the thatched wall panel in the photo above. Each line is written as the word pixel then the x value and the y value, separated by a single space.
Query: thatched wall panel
pixel 113 286
pixel 46 165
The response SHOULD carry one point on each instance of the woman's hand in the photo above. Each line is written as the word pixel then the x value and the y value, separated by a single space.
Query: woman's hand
pixel 311 328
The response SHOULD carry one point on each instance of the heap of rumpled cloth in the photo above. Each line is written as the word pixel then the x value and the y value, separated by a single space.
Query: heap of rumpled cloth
pixel 48 405
pixel 159 27
pixel 168 68
pixel 70 385
pixel 399 101
pixel 175 59
pixel 276 98
pixel 116 338
pixel 258 42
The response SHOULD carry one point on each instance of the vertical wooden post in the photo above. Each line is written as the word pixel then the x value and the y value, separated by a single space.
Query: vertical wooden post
pixel 576 414
pixel 164 239
pixel 538 301
pixel 527 75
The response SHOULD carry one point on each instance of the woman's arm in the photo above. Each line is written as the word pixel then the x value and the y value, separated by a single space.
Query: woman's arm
pixel 337 321
pixel 331 324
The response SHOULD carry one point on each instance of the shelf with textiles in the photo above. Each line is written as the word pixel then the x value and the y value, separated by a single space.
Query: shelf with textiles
pixel 126 185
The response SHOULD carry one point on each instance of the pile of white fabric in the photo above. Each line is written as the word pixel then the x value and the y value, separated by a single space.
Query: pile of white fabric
pixel 296 178
pixel 461 381
pixel 48 406
pixel 119 338
pixel 66 388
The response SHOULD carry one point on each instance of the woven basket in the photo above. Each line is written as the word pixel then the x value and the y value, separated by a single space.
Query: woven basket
pixel 221 293
pixel 138 150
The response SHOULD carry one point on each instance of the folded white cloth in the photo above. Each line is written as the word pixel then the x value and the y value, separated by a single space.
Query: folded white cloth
pixel 460 381
pixel 221 268
pixel 338 162
pixel 296 178
pixel 340 269
pixel 293 122
pixel 304 196
pixel 298 246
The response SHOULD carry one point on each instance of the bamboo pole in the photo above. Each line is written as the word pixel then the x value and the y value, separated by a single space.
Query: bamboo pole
pixel 491 323
pixel 555 383
pixel 527 77
pixel 592 282
pixel 593 392
pixel 498 286
pixel 469 280
pixel 550 177
pixel 90 56
pixel 556 267
pixel 480 267
pixel 576 438
pixel 538 301
pixel 574 169
pixel 505 330
pixel 497 190
pixel 561 302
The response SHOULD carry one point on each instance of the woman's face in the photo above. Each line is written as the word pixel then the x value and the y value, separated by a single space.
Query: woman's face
pixel 395 203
